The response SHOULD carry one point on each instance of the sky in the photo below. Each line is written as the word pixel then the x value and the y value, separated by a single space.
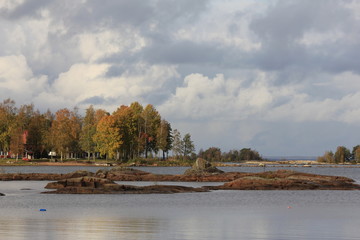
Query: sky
pixel 279 76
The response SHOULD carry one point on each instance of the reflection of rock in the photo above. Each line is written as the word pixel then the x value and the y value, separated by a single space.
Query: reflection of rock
pixel 1 194
pixel 288 180
pixel 202 167
pixel 93 185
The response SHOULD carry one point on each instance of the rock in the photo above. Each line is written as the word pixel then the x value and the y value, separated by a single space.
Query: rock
pixel 1 194
pixel 122 174
pixel 202 167
pixel 30 176
pixel 93 185
pixel 288 180
pixel 91 182
pixel 79 173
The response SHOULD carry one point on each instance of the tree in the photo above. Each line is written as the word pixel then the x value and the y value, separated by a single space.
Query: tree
pixel 189 147
pixel 151 123
pixel 212 154
pixel 164 137
pixel 177 146
pixel 138 147
pixel 107 137
pixel 126 122
pixel 65 131
pixel 38 131
pixel 18 129
pixel 88 131
pixel 342 154
pixel 7 116
pixel 247 154
pixel 356 153
pixel 328 157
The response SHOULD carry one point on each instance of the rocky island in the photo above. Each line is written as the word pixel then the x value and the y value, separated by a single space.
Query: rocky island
pixel 94 185
pixel 202 171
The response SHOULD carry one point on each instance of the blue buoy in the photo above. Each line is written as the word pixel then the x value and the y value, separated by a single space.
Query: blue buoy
pixel 42 210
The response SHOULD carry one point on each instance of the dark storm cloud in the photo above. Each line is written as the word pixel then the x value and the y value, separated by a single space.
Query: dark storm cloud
pixel 95 100
pixel 286 23
pixel 28 8
pixel 183 52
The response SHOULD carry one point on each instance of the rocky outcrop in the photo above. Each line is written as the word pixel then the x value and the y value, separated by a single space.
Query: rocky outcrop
pixel 122 174
pixel 288 180
pixel 30 176
pixel 42 176
pixel 94 185
pixel 202 167
pixel 102 181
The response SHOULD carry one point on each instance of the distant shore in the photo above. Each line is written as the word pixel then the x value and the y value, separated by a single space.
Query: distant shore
pixel 160 163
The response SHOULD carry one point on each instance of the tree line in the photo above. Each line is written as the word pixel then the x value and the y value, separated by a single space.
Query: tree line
pixel 129 132
pixel 214 154
pixel 341 155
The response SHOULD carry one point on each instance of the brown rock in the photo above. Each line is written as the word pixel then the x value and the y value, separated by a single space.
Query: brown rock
pixel 93 185
pixel 289 180
pixel 202 167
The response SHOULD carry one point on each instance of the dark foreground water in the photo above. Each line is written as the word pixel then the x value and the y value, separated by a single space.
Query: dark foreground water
pixel 215 215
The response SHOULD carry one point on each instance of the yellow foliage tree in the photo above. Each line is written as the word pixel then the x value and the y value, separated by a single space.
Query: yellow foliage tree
pixel 107 137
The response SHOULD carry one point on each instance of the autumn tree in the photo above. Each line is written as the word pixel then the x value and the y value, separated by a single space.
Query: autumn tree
pixel 164 137
pixel 65 131
pixel 126 121
pixel 107 136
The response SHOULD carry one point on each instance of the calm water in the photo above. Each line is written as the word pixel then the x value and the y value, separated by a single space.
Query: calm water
pixel 215 215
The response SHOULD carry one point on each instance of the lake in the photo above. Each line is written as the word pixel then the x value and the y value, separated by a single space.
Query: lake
pixel 214 215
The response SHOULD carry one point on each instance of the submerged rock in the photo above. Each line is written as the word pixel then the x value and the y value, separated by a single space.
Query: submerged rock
pixel 202 167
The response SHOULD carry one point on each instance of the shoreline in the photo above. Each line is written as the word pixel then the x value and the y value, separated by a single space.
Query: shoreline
pixel 261 164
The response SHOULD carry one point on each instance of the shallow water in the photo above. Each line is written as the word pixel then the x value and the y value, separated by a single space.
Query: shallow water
pixel 214 215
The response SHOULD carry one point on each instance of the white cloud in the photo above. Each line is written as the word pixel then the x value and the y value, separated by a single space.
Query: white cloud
pixel 17 79
pixel 84 81
pixel 94 46
pixel 10 4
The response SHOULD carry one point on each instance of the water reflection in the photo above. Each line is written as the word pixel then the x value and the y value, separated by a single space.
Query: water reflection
pixel 85 228
pixel 187 223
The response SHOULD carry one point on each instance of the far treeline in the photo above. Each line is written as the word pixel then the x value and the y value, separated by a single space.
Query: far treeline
pixel 214 154
pixel 342 155
pixel 129 132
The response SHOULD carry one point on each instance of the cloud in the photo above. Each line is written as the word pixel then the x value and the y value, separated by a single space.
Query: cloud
pixel 245 71
pixel 89 82
pixel 17 79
